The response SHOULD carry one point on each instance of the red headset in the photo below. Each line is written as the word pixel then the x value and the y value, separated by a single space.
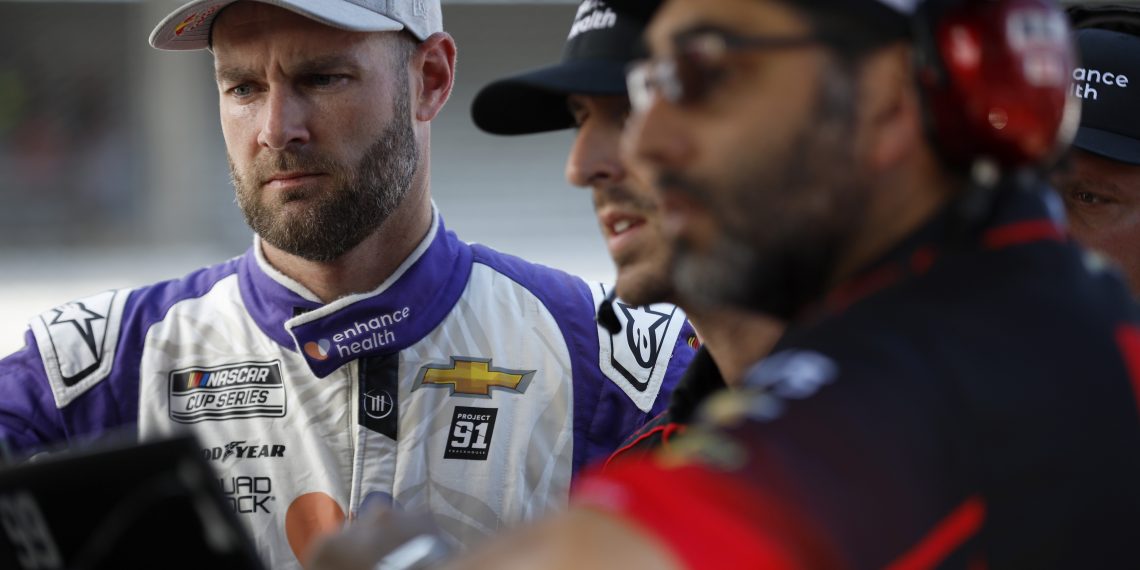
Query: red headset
pixel 995 77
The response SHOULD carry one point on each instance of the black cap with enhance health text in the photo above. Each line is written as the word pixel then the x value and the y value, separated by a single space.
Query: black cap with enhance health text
pixel 601 44
pixel 1108 84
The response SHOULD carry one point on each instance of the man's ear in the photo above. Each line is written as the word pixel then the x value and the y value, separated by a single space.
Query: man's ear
pixel 891 116
pixel 433 74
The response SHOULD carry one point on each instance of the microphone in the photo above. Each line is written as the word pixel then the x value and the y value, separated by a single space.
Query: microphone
pixel 607 318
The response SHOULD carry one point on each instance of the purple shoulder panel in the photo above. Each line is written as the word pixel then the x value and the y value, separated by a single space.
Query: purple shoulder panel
pixel 684 351
pixel 31 418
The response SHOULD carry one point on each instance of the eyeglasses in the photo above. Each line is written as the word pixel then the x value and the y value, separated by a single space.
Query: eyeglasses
pixel 687 77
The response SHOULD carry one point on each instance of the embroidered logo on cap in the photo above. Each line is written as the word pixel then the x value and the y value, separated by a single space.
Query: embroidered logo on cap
pixel 1086 82
pixel 592 15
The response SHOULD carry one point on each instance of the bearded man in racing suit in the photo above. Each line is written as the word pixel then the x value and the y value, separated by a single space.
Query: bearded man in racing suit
pixel 358 352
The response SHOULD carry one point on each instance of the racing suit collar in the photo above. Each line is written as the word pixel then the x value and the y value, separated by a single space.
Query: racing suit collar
pixel 398 313
pixel 1016 217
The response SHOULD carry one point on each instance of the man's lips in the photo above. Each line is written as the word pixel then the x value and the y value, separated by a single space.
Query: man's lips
pixel 291 179
pixel 617 222
pixel 621 229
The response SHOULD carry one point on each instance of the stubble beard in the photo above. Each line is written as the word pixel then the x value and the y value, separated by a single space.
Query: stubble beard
pixel 646 285
pixel 783 222
pixel 359 200
pixel 642 275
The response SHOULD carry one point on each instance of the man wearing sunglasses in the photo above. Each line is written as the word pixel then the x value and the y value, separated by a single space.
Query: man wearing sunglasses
pixel 587 90
pixel 958 385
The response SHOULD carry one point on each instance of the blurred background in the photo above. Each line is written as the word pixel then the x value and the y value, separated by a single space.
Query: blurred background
pixel 113 170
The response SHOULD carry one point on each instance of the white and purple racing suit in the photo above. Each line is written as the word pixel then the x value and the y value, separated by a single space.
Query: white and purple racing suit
pixel 471 384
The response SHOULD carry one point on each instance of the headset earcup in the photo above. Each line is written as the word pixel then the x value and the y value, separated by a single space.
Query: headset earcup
pixel 995 80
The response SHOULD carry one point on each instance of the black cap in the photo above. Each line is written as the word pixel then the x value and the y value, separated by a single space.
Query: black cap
pixel 1106 16
pixel 601 44
pixel 1108 83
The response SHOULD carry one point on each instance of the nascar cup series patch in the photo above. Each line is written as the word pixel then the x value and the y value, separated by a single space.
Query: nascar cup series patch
pixel 245 390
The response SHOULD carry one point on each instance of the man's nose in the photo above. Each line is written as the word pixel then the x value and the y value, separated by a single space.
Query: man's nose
pixel 594 158
pixel 284 121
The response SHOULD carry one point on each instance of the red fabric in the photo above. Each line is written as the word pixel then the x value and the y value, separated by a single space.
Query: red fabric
pixel 948 535
pixel 707 519
pixel 1021 233
pixel 665 429
pixel 1128 337
pixel 847 295
pixel 670 430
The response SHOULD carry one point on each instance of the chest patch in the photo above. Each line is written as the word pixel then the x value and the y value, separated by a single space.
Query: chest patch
pixel 245 390
pixel 470 433
pixel 637 356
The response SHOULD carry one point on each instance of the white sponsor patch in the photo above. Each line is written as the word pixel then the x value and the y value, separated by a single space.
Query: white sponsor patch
pixel 637 357
pixel 77 342
pixel 245 390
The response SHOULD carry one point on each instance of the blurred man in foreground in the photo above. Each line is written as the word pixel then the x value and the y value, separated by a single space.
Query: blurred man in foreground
pixel 587 90
pixel 358 353
pixel 1101 182
pixel 958 384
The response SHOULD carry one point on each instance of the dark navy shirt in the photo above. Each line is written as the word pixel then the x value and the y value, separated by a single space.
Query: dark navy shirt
pixel 969 401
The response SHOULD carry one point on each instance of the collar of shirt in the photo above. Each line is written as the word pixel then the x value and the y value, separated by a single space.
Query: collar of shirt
pixel 398 313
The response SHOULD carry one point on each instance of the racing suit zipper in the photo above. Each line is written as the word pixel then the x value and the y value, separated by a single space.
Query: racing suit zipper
pixel 353 370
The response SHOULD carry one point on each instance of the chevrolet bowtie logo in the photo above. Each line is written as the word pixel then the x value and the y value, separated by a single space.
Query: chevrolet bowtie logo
pixel 472 377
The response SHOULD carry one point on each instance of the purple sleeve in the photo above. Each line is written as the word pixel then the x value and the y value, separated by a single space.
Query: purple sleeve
pixel 29 418
pixel 604 414
pixel 683 353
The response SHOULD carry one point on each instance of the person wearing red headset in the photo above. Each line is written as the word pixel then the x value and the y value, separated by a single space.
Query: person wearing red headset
pixel 959 383
pixel 1100 183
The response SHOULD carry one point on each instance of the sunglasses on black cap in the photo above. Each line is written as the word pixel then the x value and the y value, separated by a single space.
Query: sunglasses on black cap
pixel 698 65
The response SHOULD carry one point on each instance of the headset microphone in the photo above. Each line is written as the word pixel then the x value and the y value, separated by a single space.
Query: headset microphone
pixel 607 318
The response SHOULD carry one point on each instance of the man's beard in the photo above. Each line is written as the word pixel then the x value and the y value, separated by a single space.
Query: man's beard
pixel 783 221
pixel 357 203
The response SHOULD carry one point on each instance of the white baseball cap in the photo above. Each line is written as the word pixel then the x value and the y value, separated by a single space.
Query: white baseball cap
pixel 188 27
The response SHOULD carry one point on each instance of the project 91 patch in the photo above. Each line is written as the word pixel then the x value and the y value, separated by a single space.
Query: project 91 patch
pixel 470 434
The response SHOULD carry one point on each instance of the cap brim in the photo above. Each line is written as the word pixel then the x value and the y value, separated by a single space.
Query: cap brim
pixel 535 102
pixel 188 28
pixel 1109 145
